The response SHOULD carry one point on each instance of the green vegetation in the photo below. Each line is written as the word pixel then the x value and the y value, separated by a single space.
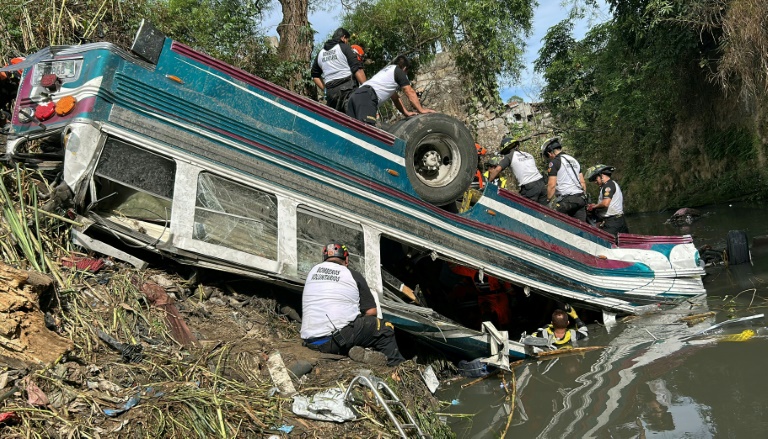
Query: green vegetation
pixel 486 37
pixel 670 92
pixel 228 29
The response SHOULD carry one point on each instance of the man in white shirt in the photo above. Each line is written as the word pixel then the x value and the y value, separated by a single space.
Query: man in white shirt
pixel 566 190
pixel 365 101
pixel 337 70
pixel 524 167
pixel 339 312
pixel 610 206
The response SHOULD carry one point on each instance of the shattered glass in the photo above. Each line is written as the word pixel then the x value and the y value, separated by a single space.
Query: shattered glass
pixel 137 168
pixel 235 216
pixel 314 231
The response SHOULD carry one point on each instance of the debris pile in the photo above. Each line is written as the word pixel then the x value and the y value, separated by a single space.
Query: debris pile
pixel 96 348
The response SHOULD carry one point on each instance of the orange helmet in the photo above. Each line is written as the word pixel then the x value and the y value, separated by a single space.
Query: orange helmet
pixel 480 150
pixel 359 51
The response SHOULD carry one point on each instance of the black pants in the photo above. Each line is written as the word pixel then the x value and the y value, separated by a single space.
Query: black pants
pixel 536 191
pixel 337 93
pixel 573 205
pixel 614 225
pixel 368 332
pixel 363 105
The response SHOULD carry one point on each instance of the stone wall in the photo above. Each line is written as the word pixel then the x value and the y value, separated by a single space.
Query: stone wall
pixel 441 88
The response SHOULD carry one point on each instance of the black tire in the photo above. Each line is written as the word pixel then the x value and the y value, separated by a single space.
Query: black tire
pixel 737 247
pixel 440 156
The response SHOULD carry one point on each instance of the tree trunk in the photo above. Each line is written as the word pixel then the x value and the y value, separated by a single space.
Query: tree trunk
pixel 296 37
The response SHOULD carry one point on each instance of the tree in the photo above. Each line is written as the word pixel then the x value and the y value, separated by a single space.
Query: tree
pixel 295 48
pixel 486 37
pixel 225 29
pixel 640 92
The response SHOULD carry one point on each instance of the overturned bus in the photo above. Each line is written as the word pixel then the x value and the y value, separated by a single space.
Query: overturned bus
pixel 167 149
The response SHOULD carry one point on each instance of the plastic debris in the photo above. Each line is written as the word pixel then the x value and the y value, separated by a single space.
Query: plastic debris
pixel 159 298
pixel 131 353
pixel 279 374
pixel 35 396
pixel 83 263
pixel 285 428
pixel 455 402
pixel 9 418
pixel 475 368
pixel 327 405
pixel 132 401
pixel 430 379
pixel 300 368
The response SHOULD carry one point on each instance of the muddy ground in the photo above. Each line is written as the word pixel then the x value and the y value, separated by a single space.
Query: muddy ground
pixel 219 385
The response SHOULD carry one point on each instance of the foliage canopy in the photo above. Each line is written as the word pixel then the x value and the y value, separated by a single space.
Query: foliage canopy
pixel 640 92
pixel 486 37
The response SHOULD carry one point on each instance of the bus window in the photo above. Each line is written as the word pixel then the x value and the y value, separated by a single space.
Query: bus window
pixel 235 216
pixel 314 230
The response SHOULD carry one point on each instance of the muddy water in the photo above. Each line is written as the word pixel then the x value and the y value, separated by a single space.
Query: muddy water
pixel 648 381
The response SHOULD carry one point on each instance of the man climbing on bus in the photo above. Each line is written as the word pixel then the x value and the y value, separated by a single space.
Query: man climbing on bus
pixel 338 69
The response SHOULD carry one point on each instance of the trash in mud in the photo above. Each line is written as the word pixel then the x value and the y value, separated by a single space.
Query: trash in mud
pixel 83 263
pixel 430 379
pixel 130 353
pixel 279 374
pixel 132 401
pixel 326 405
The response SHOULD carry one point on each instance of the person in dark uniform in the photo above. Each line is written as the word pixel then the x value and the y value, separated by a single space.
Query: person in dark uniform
pixel 610 202
pixel 566 190
pixel 338 70
pixel 340 312
pixel 364 102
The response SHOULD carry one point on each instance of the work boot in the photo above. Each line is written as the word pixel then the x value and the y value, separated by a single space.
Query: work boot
pixel 367 356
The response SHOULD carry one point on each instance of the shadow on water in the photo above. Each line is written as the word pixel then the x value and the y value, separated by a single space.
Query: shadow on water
pixel 650 380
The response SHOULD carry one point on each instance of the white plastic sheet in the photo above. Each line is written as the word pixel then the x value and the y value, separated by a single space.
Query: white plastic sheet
pixel 328 405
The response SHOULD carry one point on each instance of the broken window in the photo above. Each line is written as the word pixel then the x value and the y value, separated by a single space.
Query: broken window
pixel 315 231
pixel 134 183
pixel 235 216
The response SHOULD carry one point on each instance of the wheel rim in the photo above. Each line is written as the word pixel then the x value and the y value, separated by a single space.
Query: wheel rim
pixel 437 160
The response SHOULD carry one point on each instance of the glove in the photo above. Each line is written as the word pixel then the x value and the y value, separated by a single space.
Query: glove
pixel 571 312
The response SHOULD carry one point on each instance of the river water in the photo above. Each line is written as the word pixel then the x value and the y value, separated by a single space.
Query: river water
pixel 648 380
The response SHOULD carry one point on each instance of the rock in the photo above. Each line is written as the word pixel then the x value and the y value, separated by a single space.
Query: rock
pixel 300 368
pixel 683 217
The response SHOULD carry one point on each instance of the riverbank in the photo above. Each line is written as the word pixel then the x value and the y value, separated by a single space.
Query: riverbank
pixel 92 347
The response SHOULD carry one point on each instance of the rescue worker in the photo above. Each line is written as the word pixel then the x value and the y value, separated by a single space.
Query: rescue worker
pixel 365 101
pixel 566 190
pixel 474 192
pixel 339 313
pixel 558 333
pixel 498 180
pixel 524 167
pixel 481 152
pixel 610 201
pixel 338 70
